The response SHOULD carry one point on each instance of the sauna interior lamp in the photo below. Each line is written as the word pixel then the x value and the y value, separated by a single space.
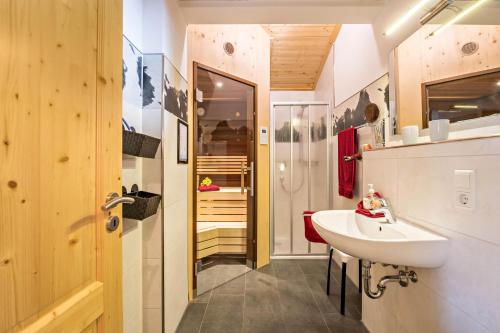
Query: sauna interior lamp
pixel 403 19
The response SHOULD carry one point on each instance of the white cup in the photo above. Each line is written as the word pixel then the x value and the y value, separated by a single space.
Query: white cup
pixel 439 129
pixel 410 135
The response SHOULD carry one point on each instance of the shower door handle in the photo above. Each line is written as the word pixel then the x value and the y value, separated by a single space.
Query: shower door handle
pixel 252 185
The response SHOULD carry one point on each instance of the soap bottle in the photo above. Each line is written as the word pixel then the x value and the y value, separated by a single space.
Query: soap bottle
pixel 367 201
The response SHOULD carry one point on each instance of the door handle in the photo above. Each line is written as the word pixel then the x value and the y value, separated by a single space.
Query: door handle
pixel 113 200
pixel 251 171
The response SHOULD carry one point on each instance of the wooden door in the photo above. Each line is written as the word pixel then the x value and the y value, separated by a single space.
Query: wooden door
pixel 60 155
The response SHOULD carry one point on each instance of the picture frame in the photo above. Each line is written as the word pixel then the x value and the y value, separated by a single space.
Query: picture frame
pixel 182 142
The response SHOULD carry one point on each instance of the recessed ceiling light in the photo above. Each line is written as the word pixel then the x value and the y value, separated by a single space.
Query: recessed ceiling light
pixel 459 16
pixel 396 25
pixel 498 83
pixel 465 106
pixel 219 84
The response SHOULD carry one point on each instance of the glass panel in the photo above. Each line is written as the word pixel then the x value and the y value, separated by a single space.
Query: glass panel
pixel 281 190
pixel 300 176
pixel 319 164
pixel 225 143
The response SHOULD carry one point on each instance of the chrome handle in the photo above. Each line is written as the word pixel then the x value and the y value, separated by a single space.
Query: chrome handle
pixel 250 170
pixel 113 200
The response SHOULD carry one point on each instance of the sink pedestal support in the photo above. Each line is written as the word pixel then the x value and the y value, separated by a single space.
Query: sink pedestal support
pixel 403 278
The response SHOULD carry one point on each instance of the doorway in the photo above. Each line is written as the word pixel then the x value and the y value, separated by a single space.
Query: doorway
pixel 300 164
pixel 224 178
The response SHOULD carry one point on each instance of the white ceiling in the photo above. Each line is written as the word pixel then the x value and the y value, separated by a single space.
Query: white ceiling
pixel 321 11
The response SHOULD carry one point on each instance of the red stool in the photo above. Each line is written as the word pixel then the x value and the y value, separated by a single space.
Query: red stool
pixel 313 237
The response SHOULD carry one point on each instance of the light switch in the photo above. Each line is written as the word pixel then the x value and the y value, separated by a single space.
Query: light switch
pixel 263 136
pixel 463 179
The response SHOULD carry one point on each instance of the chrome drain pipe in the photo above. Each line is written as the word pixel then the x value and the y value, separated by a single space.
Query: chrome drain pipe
pixel 403 278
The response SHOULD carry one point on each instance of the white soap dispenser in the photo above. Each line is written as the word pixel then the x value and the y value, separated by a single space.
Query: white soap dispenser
pixel 367 201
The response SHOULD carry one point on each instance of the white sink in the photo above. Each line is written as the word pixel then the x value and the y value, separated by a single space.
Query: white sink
pixel 400 243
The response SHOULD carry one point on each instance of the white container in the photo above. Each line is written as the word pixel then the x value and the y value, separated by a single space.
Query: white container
pixel 439 129
pixel 410 135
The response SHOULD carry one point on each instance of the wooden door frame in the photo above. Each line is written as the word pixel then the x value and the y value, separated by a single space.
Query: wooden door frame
pixel 109 159
pixel 194 189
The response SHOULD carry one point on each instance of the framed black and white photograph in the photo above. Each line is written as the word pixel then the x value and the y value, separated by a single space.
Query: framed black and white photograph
pixel 182 142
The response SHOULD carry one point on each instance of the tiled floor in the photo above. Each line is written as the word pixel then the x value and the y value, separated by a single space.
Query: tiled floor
pixel 285 296
pixel 217 275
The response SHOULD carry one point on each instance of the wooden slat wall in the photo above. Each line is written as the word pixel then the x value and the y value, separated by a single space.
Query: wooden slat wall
pixel 222 207
pixel 298 53
pixel 221 240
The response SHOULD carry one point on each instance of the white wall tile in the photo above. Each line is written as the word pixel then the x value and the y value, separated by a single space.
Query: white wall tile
pixel 463 294
pixel 151 283
pixel 152 321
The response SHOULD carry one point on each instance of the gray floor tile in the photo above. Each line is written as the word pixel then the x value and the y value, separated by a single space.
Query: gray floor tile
pixel 191 321
pixel 331 303
pixel 260 280
pixel 339 324
pixel 236 286
pixel 307 328
pixel 203 298
pixel 289 272
pixel 262 322
pixel 262 300
pixel 310 266
pixel 284 296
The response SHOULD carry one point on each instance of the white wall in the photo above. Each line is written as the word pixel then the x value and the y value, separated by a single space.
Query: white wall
pixel 291 96
pixel 463 294
pixel 164 31
pixel 358 60
pixel 324 86
pixel 133 21
pixel 132 174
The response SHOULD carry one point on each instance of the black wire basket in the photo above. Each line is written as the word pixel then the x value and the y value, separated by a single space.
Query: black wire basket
pixel 145 205
pixel 138 144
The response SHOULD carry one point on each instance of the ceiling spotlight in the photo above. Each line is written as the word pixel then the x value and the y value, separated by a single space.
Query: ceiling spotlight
pixel 219 84
pixel 459 16
pixel 402 20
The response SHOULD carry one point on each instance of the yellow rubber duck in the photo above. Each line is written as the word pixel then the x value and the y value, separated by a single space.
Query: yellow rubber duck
pixel 206 182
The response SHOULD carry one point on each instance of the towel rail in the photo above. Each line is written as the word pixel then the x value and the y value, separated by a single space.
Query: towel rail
pixel 355 157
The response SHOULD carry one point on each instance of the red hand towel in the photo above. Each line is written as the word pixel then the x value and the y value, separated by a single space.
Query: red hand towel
pixel 208 188
pixel 361 210
pixel 348 146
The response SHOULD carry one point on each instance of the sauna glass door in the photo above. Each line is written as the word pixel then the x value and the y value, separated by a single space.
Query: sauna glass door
pixel 224 173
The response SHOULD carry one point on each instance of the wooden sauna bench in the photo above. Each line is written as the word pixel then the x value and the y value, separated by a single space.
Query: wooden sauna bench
pixel 221 222
pixel 221 215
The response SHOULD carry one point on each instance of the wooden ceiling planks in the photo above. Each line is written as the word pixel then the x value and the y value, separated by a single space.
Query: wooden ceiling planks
pixel 298 53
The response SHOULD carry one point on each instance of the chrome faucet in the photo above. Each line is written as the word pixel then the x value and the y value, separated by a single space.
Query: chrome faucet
pixel 386 209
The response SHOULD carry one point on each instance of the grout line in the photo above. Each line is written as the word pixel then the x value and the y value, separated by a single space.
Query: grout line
pixel 206 308
pixel 279 298
pixel 244 302
pixel 314 299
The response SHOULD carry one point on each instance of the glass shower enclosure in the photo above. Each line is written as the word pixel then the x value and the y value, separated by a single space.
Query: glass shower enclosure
pixel 300 181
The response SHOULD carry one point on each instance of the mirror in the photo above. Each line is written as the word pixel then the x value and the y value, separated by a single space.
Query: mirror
pixel 448 73
pixel 463 98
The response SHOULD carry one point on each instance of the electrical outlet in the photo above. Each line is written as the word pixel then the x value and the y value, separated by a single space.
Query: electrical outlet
pixel 465 189
pixel 464 200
